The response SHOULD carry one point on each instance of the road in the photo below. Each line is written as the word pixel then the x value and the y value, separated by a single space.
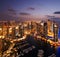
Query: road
pixel 31 46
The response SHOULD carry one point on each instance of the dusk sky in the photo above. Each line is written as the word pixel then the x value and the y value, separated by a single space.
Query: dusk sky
pixel 10 9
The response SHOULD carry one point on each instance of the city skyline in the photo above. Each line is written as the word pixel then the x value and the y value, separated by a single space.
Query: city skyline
pixel 29 28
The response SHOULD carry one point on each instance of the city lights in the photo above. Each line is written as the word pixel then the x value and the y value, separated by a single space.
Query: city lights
pixel 0 28
pixel 17 27
pixel 29 28
pixel 20 32
pixel 42 24
pixel 10 30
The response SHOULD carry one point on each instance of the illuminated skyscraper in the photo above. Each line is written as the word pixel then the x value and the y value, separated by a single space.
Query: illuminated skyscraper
pixel 50 28
pixel 0 45
pixel 45 30
pixel 55 30
pixel 13 32
pixel 21 30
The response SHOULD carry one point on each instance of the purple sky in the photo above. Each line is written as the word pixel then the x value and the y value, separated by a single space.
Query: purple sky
pixel 28 9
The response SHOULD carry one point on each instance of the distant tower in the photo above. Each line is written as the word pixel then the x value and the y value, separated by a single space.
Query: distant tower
pixel 1 45
pixel 21 30
pixel 45 30
pixel 37 28
pixel 55 30
pixel 50 28
pixel 31 25
pixel 13 32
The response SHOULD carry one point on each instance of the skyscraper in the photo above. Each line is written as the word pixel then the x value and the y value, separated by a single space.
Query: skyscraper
pixel 45 29
pixel 55 30
pixel 50 28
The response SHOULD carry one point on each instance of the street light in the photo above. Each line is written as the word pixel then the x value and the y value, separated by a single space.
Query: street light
pixel 0 36
pixel 0 28
pixel 55 25
pixel 42 23
pixel 17 27
pixel 10 30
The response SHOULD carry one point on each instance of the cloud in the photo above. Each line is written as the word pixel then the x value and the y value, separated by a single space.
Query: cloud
pixel 30 8
pixel 7 17
pixel 12 11
pixel 57 12
pixel 27 18
pixel 9 14
pixel 48 16
pixel 24 13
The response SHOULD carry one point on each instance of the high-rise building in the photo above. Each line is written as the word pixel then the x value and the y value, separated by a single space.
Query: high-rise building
pixel 55 30
pixel 0 45
pixel 50 28
pixel 21 30
pixel 38 28
pixel 42 28
pixel 45 29
pixel 13 32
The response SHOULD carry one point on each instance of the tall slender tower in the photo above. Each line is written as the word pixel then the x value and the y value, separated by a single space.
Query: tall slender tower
pixel 45 30
pixel 55 30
